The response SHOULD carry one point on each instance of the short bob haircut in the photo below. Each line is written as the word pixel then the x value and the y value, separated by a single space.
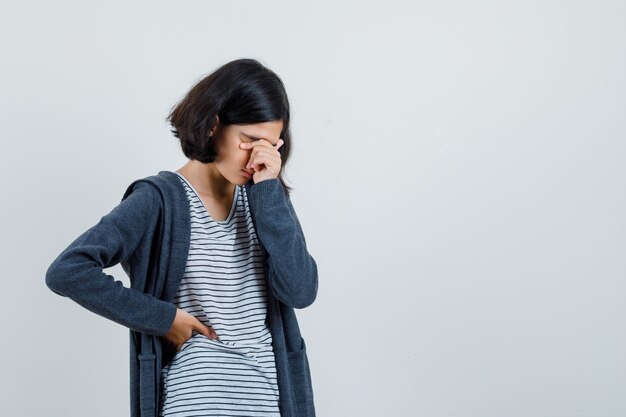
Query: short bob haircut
pixel 242 91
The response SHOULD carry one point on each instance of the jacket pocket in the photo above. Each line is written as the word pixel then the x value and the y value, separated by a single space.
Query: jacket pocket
pixel 300 373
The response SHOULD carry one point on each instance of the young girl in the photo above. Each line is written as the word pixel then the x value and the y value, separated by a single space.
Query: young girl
pixel 216 257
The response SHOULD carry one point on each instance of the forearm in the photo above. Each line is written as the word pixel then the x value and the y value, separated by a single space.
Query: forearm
pixel 78 273
pixel 295 280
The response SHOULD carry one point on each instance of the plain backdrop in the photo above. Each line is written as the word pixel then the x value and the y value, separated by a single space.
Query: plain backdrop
pixel 458 169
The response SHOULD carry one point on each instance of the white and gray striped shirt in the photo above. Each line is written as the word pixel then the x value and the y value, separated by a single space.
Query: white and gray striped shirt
pixel 223 286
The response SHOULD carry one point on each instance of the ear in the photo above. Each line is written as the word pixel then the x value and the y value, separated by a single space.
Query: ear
pixel 216 126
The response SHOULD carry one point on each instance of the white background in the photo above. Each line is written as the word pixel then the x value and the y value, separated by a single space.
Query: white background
pixel 458 169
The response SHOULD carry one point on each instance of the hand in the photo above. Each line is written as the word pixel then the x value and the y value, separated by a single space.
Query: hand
pixel 183 327
pixel 265 159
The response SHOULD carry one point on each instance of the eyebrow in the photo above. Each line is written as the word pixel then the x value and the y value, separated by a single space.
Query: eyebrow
pixel 254 137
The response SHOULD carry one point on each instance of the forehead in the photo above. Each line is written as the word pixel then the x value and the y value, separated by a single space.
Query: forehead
pixel 269 131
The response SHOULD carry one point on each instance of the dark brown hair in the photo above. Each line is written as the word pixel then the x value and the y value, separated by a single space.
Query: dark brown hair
pixel 242 91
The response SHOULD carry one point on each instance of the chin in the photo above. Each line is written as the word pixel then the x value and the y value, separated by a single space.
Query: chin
pixel 240 180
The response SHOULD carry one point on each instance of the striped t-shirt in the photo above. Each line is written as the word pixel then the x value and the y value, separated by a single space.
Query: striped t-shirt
pixel 224 287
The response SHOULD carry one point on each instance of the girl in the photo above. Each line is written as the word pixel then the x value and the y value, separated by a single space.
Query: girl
pixel 216 257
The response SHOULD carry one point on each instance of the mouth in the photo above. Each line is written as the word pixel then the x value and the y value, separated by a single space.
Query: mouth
pixel 247 174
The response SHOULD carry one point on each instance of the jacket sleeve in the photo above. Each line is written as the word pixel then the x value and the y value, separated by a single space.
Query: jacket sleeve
pixel 77 272
pixel 295 281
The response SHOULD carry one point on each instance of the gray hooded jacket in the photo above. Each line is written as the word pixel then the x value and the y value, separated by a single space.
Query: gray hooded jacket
pixel 148 233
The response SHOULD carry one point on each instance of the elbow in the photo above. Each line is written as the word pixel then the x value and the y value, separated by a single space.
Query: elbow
pixel 53 280
pixel 307 297
pixel 306 293
pixel 295 287
pixel 311 293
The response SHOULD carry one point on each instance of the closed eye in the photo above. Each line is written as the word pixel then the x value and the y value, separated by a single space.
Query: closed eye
pixel 252 138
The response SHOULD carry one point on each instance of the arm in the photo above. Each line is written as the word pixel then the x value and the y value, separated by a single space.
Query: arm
pixel 77 272
pixel 279 230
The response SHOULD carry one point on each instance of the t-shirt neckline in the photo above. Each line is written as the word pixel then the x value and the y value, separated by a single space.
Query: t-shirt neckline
pixel 232 206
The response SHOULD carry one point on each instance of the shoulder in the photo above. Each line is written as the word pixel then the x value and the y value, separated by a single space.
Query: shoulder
pixel 141 187
pixel 144 196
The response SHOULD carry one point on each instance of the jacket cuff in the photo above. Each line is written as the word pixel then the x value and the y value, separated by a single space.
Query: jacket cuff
pixel 267 194
pixel 165 315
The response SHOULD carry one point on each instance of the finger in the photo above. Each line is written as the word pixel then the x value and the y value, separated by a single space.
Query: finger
pixel 210 333
pixel 203 328
pixel 263 157
pixel 256 149
pixel 256 162
pixel 252 145
pixel 256 159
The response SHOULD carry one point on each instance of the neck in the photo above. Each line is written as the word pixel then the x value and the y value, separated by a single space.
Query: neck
pixel 207 179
